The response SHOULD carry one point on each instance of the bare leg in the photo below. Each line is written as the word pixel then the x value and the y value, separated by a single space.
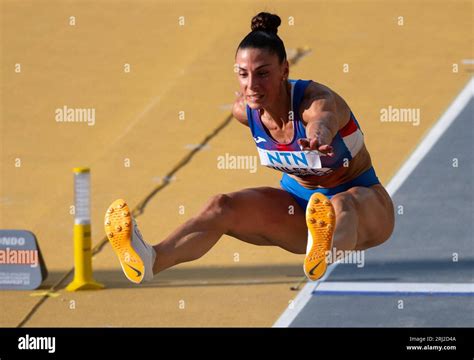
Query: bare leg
pixel 364 218
pixel 261 216
pixel 188 242
pixel 347 219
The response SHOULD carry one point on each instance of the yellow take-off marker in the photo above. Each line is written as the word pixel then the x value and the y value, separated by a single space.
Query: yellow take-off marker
pixel 83 279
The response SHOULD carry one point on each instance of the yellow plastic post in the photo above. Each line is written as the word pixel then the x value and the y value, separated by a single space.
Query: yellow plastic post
pixel 83 279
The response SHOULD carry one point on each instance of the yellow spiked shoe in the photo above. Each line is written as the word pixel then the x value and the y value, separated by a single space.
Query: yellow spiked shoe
pixel 135 255
pixel 321 221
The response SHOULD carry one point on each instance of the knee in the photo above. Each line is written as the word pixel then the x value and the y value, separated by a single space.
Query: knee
pixel 387 229
pixel 343 202
pixel 378 240
pixel 218 208
pixel 387 225
pixel 383 233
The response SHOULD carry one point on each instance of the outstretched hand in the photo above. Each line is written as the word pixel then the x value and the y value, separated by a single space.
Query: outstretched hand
pixel 320 142
pixel 319 138
pixel 316 144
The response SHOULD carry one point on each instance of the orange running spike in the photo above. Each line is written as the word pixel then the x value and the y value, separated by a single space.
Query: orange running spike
pixel 321 221
pixel 118 230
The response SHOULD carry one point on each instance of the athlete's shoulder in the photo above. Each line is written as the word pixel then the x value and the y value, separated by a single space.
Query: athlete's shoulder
pixel 316 98
pixel 315 91
pixel 320 98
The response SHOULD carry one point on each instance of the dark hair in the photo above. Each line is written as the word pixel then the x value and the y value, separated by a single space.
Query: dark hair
pixel 264 35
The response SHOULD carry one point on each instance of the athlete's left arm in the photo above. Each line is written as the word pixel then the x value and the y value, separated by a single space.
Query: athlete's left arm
pixel 322 125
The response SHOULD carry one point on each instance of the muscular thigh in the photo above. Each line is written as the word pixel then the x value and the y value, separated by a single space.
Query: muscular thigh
pixel 268 216
pixel 375 213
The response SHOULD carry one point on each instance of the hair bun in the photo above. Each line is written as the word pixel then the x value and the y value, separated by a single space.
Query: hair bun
pixel 266 22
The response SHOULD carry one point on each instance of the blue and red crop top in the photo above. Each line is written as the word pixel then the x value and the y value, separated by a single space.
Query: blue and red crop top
pixel 289 158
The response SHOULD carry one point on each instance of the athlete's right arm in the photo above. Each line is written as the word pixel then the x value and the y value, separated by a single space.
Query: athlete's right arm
pixel 239 110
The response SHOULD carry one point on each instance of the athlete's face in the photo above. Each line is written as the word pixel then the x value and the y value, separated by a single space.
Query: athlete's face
pixel 260 76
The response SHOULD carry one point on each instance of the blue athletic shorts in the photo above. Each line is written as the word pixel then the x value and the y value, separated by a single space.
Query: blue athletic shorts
pixel 302 194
